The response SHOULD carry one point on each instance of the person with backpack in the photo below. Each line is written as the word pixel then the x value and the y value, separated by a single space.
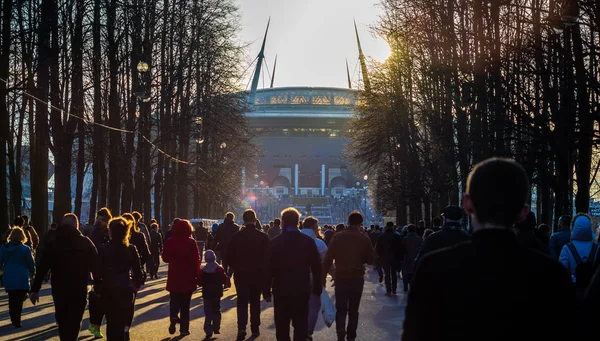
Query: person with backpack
pixel 579 256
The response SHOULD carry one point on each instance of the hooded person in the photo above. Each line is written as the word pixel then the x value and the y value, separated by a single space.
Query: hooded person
pixel 212 279
pixel 581 248
pixel 182 254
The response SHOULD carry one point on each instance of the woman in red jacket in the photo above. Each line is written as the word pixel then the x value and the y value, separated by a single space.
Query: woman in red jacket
pixel 182 254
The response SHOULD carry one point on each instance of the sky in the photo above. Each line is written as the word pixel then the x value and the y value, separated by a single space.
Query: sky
pixel 312 39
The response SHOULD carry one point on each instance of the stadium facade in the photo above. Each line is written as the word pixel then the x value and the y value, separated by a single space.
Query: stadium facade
pixel 302 133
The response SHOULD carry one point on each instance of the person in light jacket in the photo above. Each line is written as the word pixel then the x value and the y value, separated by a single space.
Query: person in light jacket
pixel 310 227
pixel 17 262
pixel 583 240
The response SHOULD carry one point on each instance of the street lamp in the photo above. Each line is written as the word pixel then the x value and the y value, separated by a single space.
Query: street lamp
pixel 142 67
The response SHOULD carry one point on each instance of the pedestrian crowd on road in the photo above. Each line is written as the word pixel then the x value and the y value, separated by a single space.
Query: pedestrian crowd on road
pixel 503 278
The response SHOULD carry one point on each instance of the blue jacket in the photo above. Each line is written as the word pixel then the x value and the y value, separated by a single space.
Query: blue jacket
pixel 17 261
pixel 582 238
pixel 559 239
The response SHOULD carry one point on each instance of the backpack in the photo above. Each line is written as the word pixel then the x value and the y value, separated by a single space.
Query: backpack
pixel 584 271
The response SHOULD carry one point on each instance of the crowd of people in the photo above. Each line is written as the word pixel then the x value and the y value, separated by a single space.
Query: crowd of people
pixel 504 278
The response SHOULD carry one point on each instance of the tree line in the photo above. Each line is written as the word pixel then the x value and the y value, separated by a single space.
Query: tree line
pixel 471 79
pixel 143 92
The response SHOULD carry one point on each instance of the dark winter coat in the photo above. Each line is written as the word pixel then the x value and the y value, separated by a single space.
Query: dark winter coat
pixel 448 236
pixel 559 239
pixel 291 259
pixel 115 263
pixel 71 258
pixel 224 234
pixel 156 243
pixel 412 245
pixel 248 255
pixel 388 248
pixel 491 288
pixel 212 283
pixel 138 239
pixel 528 239
pixel 374 236
pixel 351 250
pixel 182 253
pixel 201 234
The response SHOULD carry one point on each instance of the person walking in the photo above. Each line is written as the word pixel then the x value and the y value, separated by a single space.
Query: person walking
pixel 156 246
pixel 223 235
pixel 412 244
pixel 448 235
pixel 469 291
pixel 275 230
pixel 100 237
pixel 374 235
pixel 140 226
pixel 201 236
pixel 247 257
pixel 387 250
pixel 212 279
pixel 310 227
pixel 35 238
pixel 16 261
pixel 71 258
pixel 561 237
pixel 526 234
pixel 116 261
pixel 20 222
pixel 181 253
pixel 351 250
pixel 137 239
pixel 580 256
pixel 292 258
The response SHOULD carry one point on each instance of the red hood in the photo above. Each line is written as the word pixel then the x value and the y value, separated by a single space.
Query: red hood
pixel 182 228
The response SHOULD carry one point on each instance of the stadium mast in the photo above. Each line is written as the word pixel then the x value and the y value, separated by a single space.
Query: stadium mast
pixel 260 59
pixel 363 64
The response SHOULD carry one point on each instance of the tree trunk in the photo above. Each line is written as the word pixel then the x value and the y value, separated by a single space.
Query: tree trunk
pixel 115 161
pixel 77 100
pixel 7 6
pixel 39 169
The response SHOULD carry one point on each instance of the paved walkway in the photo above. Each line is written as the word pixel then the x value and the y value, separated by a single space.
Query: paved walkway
pixel 380 316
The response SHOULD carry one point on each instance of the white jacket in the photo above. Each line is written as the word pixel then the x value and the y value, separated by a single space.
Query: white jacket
pixel 321 246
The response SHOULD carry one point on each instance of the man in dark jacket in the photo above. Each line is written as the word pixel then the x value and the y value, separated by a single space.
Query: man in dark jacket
pixel 351 250
pixel 156 246
pixel 526 235
pixel 561 237
pixel 420 228
pixel 247 257
pixel 71 258
pixel 387 249
pixel 223 235
pixel 450 234
pixel 412 244
pixel 292 257
pixel 201 236
pixel 491 288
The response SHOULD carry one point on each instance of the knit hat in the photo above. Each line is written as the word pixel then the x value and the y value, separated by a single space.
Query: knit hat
pixel 209 256
pixel 582 228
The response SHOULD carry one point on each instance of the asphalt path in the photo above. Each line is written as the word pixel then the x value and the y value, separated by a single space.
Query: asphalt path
pixel 380 316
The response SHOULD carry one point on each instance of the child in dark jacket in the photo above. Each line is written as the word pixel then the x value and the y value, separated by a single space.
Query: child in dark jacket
pixel 212 279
